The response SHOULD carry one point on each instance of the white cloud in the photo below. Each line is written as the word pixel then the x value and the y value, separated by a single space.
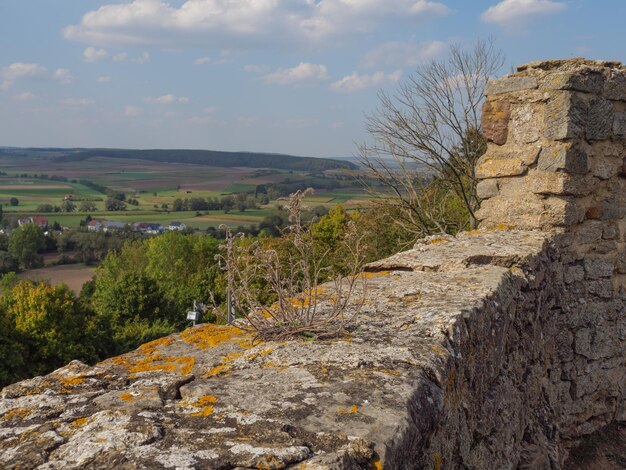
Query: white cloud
pixel 202 60
pixel 210 110
pixel 26 96
pixel 239 23
pixel 131 111
pixel 518 11
pixel 63 76
pixel 91 54
pixel 143 59
pixel 302 73
pixel 336 125
pixel 121 57
pixel 401 54
pixel 166 99
pixel 356 82
pixel 104 79
pixel 18 71
pixel 78 102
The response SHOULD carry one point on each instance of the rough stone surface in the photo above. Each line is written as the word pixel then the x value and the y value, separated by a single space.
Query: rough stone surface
pixel 510 84
pixel 495 118
pixel 498 348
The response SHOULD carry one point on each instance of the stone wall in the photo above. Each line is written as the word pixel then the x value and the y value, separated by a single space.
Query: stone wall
pixel 557 162
pixel 500 348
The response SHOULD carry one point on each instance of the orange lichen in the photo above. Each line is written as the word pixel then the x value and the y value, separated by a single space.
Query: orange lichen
pixel 437 241
pixel 372 275
pixel 79 422
pixel 376 464
pixel 505 227
pixel 222 369
pixel 202 402
pixel 150 348
pixel 72 381
pixel 348 411
pixel 127 396
pixel 437 461
pixel 206 411
pixel 438 350
pixel 209 336
pixel 19 413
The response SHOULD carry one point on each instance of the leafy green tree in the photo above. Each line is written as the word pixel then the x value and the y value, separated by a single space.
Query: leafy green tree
pixel 68 206
pixel 14 201
pixel 25 243
pixel 113 204
pixel 12 351
pixel 51 327
pixel 45 208
pixel 8 263
pixel 87 206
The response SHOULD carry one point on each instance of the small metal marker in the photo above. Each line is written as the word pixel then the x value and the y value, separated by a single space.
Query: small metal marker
pixel 194 315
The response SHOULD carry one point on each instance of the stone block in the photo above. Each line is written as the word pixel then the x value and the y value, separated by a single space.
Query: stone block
pixel 598 268
pixel 619 124
pixel 602 288
pixel 565 117
pixel 599 119
pixel 525 127
pixel 590 82
pixel 607 167
pixel 490 167
pixel 563 156
pixel 510 84
pixel 487 188
pixel 610 232
pixel 589 232
pixel 495 120
pixel 561 211
pixel 615 86
pixel 575 273
pixel 550 183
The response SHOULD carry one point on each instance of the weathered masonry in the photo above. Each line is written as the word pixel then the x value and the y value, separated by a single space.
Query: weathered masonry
pixel 501 348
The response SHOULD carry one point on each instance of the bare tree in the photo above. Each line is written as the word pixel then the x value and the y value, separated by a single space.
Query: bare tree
pixel 427 138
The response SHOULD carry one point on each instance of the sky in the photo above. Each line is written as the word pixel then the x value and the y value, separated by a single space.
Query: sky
pixel 286 76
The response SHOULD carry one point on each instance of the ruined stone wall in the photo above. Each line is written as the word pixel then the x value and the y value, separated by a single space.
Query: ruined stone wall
pixel 499 348
pixel 557 162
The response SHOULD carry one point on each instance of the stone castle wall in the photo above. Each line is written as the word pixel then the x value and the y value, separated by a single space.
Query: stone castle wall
pixel 557 162
pixel 499 348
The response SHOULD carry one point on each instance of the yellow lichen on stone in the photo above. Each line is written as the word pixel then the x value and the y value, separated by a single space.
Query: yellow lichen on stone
pixel 348 411
pixel 376 464
pixel 437 461
pixel 19 413
pixel 127 396
pixel 206 411
pixel 72 381
pixel 372 275
pixel 79 422
pixel 203 403
pixel 222 369
pixel 209 336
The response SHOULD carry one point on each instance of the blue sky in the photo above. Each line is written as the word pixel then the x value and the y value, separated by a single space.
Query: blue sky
pixel 289 76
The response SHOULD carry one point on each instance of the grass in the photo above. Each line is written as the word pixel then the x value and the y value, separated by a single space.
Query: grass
pixel 140 180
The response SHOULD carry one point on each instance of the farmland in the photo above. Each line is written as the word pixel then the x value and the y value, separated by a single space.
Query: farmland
pixel 41 179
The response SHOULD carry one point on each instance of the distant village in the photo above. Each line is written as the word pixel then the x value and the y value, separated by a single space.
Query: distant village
pixel 104 225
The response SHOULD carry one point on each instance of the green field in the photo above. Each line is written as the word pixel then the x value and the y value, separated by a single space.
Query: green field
pixel 152 184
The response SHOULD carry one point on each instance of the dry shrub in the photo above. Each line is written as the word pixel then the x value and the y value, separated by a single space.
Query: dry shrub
pixel 292 274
